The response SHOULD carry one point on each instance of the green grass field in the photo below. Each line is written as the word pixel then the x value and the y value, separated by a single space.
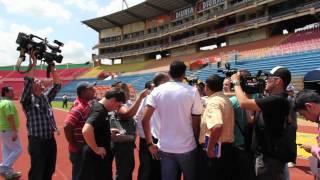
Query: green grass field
pixel 58 104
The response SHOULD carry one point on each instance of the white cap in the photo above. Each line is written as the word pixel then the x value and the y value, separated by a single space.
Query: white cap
pixel 275 69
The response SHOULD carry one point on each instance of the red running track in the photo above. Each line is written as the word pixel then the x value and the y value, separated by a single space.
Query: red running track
pixel 63 165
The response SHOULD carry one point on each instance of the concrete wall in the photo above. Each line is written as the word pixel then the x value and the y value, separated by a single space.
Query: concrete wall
pixel 134 27
pixel 249 36
pixel 110 32
pixel 132 59
pixel 189 49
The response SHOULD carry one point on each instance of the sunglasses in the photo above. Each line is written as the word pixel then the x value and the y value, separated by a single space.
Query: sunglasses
pixel 273 77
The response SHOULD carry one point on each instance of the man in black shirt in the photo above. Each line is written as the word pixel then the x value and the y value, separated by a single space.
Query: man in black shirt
pixel 97 156
pixel 274 110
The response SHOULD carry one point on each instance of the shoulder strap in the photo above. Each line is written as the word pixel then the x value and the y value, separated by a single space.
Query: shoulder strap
pixel 255 139
pixel 238 126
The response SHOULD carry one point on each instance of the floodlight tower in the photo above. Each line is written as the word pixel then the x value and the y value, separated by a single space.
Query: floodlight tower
pixel 124 2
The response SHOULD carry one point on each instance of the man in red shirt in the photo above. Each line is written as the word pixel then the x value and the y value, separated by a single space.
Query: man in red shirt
pixel 74 123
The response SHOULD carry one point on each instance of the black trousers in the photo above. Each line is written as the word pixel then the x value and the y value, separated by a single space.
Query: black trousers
pixel 221 168
pixel 75 158
pixel 202 164
pixel 149 168
pixel 273 169
pixel 64 104
pixel 93 167
pixel 124 157
pixel 43 155
pixel 243 167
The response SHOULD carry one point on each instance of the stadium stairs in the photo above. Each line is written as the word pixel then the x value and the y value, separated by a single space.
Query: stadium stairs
pixel 160 65
pixel 298 52
pixel 298 63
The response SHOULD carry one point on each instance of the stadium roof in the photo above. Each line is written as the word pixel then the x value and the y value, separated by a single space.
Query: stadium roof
pixel 140 12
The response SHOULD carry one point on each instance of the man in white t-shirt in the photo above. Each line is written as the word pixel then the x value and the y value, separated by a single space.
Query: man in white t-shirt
pixel 179 109
pixel 149 168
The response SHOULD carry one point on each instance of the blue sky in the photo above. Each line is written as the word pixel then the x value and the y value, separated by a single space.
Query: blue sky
pixel 54 19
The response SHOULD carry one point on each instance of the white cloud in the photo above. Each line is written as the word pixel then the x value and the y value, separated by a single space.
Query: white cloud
pixel 75 52
pixel 116 5
pixel 16 28
pixel 2 23
pixel 8 36
pixel 85 5
pixel 42 8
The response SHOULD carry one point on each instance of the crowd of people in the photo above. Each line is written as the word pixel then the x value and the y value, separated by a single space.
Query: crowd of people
pixel 198 132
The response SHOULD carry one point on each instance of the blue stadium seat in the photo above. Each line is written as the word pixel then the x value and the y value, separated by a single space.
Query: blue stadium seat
pixel 298 63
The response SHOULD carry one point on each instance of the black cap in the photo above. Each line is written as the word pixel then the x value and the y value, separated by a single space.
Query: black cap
pixel 83 85
pixel 117 94
pixel 282 73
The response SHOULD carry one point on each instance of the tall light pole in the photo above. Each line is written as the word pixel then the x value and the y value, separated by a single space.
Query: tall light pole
pixel 124 2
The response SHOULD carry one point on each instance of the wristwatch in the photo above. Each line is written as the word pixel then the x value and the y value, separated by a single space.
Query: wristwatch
pixel 236 83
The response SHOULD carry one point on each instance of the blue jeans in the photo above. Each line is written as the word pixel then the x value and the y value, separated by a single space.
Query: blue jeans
pixel 11 150
pixel 171 163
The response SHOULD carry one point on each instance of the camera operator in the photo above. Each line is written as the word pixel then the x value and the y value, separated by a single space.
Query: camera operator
pixel 272 113
pixel 40 123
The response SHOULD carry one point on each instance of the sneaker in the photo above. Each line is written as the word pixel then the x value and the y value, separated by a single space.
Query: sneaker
pixel 11 175
pixel 291 164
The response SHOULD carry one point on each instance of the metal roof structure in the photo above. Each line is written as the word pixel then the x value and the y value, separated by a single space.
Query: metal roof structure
pixel 139 12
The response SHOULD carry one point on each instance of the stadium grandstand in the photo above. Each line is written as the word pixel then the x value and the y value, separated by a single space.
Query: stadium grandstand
pixel 146 38
pixel 150 35
pixel 67 72
pixel 172 28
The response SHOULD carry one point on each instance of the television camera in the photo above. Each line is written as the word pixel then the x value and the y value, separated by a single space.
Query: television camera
pixel 251 84
pixel 32 44
pixel 191 80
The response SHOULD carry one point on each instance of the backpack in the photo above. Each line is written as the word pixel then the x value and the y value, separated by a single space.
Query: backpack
pixel 247 134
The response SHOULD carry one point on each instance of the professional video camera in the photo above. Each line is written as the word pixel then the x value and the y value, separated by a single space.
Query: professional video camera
pixel 228 71
pixel 250 84
pixel 28 44
pixel 191 80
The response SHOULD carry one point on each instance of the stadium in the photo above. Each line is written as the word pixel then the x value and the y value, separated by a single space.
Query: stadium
pixel 146 38
pixel 248 34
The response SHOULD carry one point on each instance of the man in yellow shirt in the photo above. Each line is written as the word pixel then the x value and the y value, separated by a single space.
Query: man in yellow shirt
pixel 217 126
